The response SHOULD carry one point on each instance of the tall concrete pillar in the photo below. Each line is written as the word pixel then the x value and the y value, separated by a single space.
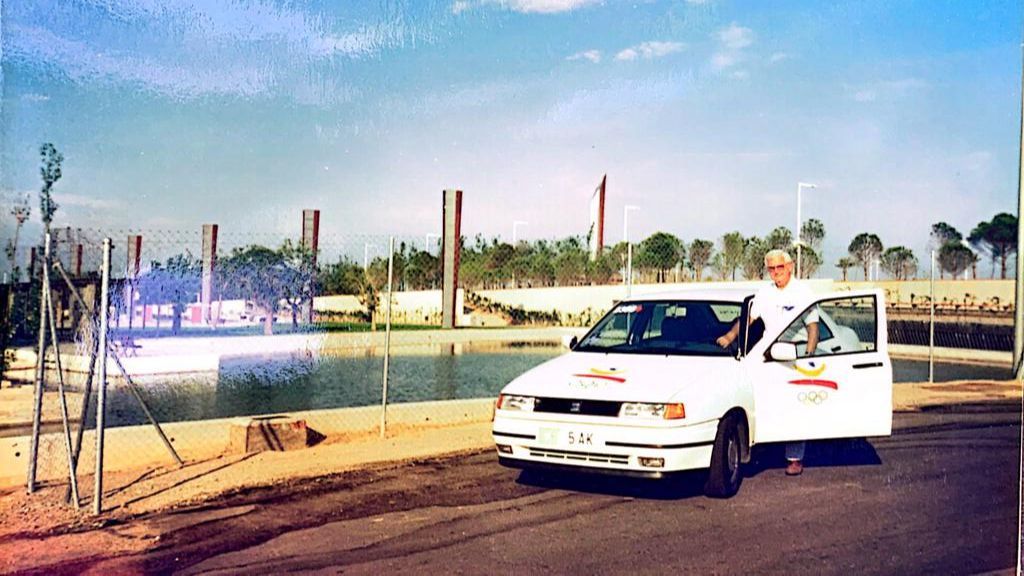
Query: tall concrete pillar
pixel 310 240
pixel 76 260
pixel 451 234
pixel 131 273
pixel 209 270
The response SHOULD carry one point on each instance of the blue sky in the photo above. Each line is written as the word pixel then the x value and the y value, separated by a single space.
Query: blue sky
pixel 705 114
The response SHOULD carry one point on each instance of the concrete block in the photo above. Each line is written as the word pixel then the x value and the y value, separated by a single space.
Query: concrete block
pixel 268 433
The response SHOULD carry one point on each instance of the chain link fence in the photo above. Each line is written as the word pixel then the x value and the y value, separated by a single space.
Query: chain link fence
pixel 286 329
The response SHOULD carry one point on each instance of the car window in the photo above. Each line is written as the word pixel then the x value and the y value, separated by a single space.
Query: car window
pixel 845 325
pixel 662 327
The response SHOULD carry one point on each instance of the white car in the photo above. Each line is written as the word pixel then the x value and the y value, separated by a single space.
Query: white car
pixel 647 391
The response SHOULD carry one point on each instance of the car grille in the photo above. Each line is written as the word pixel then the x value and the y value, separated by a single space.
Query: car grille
pixel 579 456
pixel 570 406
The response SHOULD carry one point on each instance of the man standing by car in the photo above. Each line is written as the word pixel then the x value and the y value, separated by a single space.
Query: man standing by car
pixel 771 304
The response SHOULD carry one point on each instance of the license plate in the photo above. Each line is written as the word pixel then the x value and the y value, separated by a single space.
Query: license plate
pixel 579 439
pixel 571 438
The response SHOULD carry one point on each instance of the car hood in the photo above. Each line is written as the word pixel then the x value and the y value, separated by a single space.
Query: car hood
pixel 623 377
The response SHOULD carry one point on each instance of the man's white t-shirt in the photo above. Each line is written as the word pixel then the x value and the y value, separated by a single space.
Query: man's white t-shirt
pixel 771 304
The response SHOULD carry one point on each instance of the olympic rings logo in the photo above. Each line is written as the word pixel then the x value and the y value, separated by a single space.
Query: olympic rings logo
pixel 812 398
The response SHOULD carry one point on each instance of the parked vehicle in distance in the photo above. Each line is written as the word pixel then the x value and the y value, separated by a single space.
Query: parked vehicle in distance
pixel 647 391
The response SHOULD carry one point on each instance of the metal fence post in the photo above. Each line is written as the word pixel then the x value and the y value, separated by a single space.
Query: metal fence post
pixel 37 406
pixel 387 341
pixel 931 323
pixel 629 269
pixel 101 400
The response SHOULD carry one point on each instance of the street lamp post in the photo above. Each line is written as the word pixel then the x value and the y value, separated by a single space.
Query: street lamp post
pixel 366 254
pixel 799 192
pixel 426 241
pixel 515 228
pixel 629 247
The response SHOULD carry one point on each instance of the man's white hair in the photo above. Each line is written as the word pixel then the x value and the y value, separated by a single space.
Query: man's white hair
pixel 777 253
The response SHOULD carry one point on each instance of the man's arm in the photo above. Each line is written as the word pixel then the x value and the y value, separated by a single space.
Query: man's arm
pixel 729 337
pixel 812 338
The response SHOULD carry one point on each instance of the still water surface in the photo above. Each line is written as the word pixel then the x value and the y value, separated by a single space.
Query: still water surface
pixel 263 386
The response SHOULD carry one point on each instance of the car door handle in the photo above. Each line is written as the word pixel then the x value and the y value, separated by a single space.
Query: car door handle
pixel 837 348
pixel 867 365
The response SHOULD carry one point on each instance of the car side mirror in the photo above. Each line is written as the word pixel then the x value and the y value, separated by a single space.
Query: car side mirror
pixel 782 352
pixel 573 342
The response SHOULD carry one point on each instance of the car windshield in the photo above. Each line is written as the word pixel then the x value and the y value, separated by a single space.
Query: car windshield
pixel 683 327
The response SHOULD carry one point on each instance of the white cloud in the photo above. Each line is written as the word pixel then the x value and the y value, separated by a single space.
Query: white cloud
pixel 626 55
pixel 542 6
pixel 740 75
pixel 35 97
pixel 698 2
pixel 79 201
pixel 80 62
pixel 779 57
pixel 460 6
pixel 649 50
pixel 885 90
pixel 865 96
pixel 723 60
pixel 734 40
pixel 592 55
pixel 736 37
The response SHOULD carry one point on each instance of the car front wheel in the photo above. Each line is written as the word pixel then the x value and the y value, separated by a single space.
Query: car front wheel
pixel 725 476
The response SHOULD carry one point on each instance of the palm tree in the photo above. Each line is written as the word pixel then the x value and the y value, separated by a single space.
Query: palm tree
pixel 845 264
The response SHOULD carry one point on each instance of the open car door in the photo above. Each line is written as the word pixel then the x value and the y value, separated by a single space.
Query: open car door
pixel 841 390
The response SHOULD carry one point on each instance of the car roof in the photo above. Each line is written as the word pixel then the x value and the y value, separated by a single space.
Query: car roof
pixel 727 294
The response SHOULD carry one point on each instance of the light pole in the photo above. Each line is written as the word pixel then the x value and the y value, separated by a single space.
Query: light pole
pixel 366 254
pixel 799 191
pixel 515 228
pixel 629 247
pixel 426 241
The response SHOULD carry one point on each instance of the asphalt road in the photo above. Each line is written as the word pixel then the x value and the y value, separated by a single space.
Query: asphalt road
pixel 938 497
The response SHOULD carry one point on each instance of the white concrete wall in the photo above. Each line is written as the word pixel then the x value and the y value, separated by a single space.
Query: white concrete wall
pixel 581 305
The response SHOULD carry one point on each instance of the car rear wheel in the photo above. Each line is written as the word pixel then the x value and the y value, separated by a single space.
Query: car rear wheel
pixel 725 476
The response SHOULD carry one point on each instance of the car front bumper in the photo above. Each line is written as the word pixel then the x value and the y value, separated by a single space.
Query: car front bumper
pixel 632 450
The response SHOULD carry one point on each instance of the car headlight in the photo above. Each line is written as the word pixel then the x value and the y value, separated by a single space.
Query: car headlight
pixel 520 403
pixel 645 410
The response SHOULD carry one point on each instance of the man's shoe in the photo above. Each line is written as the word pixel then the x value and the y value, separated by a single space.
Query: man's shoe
pixel 795 468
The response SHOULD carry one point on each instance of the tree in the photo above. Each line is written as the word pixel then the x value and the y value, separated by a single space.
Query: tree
pixel 423 271
pixel 298 273
pixel 812 233
pixel 955 258
pixel 660 251
pixel 810 261
pixel 733 249
pixel 21 211
pixel 864 249
pixel 845 264
pixel 700 256
pixel 942 234
pixel 50 173
pixel 998 238
pixel 779 239
pixel 753 258
pixel 899 262
pixel 259 275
